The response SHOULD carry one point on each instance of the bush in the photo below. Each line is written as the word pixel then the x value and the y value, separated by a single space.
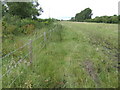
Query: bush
pixel 16 26
pixel 28 29
pixel 26 22
pixel 8 30
pixel 10 19
pixel 104 19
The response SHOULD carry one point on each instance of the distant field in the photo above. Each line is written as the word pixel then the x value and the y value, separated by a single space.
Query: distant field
pixel 86 57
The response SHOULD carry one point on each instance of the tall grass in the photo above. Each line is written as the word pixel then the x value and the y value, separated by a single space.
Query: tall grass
pixel 16 76
pixel 0 52
pixel 77 55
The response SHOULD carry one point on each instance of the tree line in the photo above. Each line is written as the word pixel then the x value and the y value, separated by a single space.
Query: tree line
pixel 86 16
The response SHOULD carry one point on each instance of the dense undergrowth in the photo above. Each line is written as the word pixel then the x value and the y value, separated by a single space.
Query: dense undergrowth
pixel 14 27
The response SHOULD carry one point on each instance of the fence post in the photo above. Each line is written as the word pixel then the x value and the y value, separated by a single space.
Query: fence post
pixel 30 51
pixel 45 38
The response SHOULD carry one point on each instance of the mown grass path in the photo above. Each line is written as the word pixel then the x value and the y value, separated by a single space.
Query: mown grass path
pixel 83 53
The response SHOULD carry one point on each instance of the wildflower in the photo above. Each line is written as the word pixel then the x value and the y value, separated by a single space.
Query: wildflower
pixel 46 80
pixel 97 49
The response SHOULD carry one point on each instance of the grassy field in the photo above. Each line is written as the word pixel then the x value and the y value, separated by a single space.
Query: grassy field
pixel 84 55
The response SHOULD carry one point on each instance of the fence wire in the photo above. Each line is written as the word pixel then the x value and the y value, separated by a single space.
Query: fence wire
pixel 24 45
pixel 43 43
pixel 15 65
pixel 38 37
pixel 15 50
pixel 15 79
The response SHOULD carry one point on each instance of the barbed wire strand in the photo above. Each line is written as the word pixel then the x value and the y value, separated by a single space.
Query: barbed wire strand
pixel 15 50
pixel 38 37
pixel 42 47
pixel 15 65
pixel 10 62
pixel 23 45
pixel 15 79
pixel 25 55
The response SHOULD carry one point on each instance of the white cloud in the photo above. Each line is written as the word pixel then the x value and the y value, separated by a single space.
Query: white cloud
pixel 62 9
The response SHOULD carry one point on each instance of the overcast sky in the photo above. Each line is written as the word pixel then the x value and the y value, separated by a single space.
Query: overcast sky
pixel 65 9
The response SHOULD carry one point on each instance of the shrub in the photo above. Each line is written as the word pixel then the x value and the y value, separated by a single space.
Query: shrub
pixel 16 26
pixel 28 29
pixel 10 19
pixel 26 21
pixel 8 30
pixel 104 19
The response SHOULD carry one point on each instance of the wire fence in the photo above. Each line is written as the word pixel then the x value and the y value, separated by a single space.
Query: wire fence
pixel 15 51
pixel 7 68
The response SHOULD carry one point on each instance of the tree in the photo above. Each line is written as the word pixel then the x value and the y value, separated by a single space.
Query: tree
pixel 72 19
pixel 83 15
pixel 118 18
pixel 105 19
pixel 114 19
pixel 3 8
pixel 24 9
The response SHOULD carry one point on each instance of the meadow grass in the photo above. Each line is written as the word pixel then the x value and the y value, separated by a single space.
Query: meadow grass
pixel 77 55
pixel 0 52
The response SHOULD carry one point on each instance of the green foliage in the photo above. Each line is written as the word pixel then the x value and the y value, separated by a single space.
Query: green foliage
pixel 119 19
pixel 72 19
pixel 23 67
pixel 8 26
pixel 4 9
pixel 63 64
pixel 57 34
pixel 49 21
pixel 104 19
pixel 27 29
pixel 22 9
pixel 17 26
pixel 26 21
pixel 83 15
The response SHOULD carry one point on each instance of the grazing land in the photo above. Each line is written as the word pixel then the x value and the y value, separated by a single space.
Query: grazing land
pixel 80 55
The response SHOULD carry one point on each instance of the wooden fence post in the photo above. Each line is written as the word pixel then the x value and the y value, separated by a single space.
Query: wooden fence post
pixel 30 51
pixel 45 38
